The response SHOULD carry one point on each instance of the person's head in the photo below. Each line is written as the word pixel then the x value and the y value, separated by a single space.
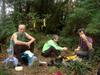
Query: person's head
pixel 81 31
pixel 21 28
pixel 55 38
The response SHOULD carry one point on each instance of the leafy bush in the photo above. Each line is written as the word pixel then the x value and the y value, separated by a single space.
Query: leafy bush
pixel 41 39
pixel 96 56
pixel 70 42
pixel 77 68
pixel 4 72
pixel 80 17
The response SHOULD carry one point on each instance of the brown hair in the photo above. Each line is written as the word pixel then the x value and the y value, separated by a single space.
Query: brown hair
pixel 55 36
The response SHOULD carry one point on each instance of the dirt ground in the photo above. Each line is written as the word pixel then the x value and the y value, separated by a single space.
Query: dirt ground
pixel 36 69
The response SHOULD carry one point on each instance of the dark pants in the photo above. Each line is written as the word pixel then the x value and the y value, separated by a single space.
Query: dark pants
pixel 19 49
pixel 51 52
pixel 85 54
pixel 98 73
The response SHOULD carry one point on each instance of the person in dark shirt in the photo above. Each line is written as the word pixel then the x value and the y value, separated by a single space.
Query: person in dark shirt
pixel 85 47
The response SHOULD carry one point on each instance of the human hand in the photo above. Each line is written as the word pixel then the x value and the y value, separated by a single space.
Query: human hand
pixel 77 49
pixel 84 37
pixel 65 48
pixel 28 44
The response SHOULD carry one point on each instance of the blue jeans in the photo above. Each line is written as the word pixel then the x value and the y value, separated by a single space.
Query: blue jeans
pixel 14 60
pixel 31 60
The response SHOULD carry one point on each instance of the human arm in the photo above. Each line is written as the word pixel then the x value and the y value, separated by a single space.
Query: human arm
pixel 78 48
pixel 16 41
pixel 87 40
pixel 89 44
pixel 56 46
pixel 31 39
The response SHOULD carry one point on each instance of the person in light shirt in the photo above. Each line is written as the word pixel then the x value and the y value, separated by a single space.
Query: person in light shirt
pixel 52 48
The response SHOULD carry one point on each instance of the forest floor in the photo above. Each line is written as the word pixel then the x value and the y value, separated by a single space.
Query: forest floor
pixel 37 69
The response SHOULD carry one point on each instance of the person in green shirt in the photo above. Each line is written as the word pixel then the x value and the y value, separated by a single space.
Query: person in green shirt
pixel 52 48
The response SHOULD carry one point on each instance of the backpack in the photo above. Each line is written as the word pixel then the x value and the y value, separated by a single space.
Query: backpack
pixel 24 58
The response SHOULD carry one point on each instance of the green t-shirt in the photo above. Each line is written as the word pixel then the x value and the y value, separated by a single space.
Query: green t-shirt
pixel 50 43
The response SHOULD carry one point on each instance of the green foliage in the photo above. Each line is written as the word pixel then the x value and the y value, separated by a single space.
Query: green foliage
pixel 4 72
pixel 96 56
pixel 68 41
pixel 52 69
pixel 7 28
pixel 85 14
pixel 80 17
pixel 41 39
pixel 59 16
pixel 92 6
pixel 94 26
pixel 77 68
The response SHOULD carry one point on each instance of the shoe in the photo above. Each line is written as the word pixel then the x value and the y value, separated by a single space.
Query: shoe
pixel 42 63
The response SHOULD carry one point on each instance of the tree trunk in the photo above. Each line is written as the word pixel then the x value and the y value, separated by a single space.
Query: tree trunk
pixel 3 10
